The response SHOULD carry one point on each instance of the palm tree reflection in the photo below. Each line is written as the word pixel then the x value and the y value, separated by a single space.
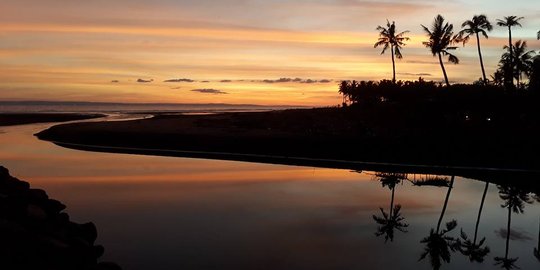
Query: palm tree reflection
pixel 514 199
pixel 537 198
pixel 473 250
pixel 537 249
pixel 438 244
pixel 391 221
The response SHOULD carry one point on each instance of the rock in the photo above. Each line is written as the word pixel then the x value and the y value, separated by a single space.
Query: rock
pixel 53 207
pixel 6 179
pixel 35 212
pixel 89 232
pixel 12 184
pixel 36 234
pixel 107 266
pixel 99 251
pixel 4 173
pixel 37 194
pixel 62 218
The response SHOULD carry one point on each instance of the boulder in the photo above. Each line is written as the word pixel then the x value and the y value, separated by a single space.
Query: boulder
pixel 36 234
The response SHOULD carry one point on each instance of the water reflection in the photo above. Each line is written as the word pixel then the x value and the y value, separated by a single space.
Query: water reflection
pixel 536 251
pixel 476 252
pixel 391 221
pixel 514 200
pixel 174 213
pixel 439 245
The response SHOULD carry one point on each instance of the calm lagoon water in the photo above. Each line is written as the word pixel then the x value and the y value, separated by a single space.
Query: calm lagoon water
pixel 180 213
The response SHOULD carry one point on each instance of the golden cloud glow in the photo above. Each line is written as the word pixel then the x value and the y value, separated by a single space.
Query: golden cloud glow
pixel 100 54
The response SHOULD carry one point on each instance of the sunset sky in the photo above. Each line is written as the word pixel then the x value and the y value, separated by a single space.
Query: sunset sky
pixel 228 51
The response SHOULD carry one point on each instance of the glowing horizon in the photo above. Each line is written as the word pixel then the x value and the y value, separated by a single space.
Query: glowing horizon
pixel 233 51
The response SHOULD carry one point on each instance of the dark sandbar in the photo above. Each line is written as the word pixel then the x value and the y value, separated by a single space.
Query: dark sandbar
pixel 326 137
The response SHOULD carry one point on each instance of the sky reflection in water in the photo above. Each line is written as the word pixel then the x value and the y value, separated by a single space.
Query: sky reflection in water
pixel 176 213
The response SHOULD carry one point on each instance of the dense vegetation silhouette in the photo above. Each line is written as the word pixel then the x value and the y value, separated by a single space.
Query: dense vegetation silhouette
pixel 430 180
pixel 473 105
pixel 520 60
pixel 388 38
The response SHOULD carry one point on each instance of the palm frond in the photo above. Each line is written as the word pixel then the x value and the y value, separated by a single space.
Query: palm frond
pixel 397 51
pixel 506 263
pixel 452 58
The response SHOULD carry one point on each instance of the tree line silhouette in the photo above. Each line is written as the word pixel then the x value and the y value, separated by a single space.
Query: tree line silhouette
pixel 516 62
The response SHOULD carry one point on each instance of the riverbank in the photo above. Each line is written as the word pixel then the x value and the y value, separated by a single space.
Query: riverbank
pixel 12 119
pixel 306 136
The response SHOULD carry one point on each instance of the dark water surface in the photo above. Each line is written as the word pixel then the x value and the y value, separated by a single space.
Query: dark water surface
pixel 179 213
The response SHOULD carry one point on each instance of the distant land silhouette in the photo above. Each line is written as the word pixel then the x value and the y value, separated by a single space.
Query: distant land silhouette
pixel 59 106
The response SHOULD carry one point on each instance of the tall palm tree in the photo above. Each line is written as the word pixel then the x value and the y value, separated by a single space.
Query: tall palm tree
pixel 510 21
pixel 390 39
pixel 438 244
pixel 392 221
pixel 478 25
pixel 441 36
pixel 514 199
pixel 521 59
pixel 472 249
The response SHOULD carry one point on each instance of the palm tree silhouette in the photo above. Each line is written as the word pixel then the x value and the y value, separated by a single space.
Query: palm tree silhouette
pixel 514 199
pixel 441 36
pixel 521 58
pixel 389 38
pixel 392 221
pixel 472 249
pixel 478 25
pixel 510 21
pixel 438 244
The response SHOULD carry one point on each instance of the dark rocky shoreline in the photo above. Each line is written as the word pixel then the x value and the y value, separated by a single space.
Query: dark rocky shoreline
pixel 36 233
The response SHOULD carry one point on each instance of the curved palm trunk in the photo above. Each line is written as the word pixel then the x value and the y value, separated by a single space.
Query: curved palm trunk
pixel 508 232
pixel 443 70
pixel 393 65
pixel 481 60
pixel 480 212
pixel 445 203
